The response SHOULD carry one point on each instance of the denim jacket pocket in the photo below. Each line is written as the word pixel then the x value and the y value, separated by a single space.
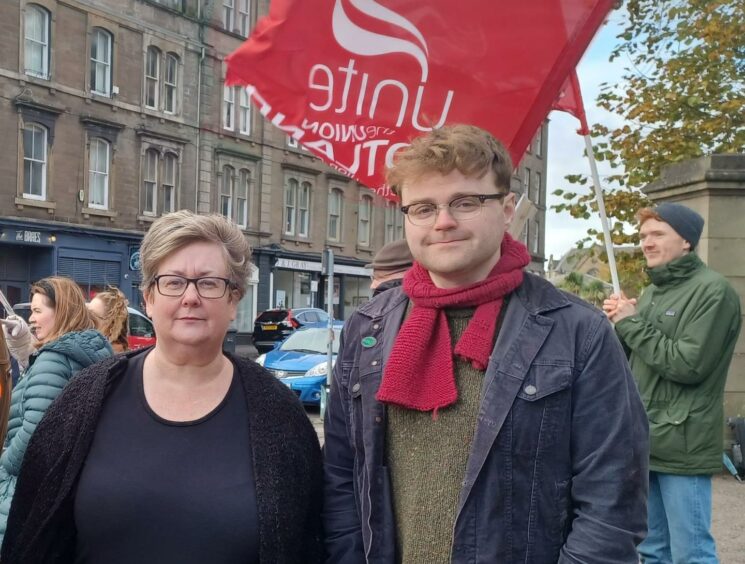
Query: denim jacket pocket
pixel 541 408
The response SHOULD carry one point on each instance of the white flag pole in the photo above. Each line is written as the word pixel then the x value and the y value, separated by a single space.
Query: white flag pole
pixel 603 217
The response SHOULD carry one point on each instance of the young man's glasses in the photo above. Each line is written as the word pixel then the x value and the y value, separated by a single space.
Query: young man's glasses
pixel 174 286
pixel 465 207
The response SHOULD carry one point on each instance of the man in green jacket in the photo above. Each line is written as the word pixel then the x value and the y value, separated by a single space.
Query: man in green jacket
pixel 680 338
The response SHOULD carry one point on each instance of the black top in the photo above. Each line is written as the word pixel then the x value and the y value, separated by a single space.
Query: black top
pixel 158 491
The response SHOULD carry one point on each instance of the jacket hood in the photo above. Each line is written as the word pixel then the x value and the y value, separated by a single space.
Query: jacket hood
pixel 676 270
pixel 84 347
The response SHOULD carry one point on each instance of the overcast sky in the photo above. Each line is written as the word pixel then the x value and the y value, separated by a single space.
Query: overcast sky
pixel 566 147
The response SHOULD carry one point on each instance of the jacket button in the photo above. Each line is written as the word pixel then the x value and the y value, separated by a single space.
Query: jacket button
pixel 378 419
pixel 356 388
pixel 374 363
pixel 530 389
pixel 376 326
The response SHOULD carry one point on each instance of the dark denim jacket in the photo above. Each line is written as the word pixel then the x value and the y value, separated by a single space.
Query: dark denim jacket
pixel 558 466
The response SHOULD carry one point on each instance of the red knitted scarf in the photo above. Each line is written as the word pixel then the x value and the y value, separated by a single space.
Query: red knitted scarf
pixel 419 373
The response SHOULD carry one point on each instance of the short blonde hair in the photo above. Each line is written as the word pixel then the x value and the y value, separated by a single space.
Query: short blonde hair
pixel 176 230
pixel 66 298
pixel 470 150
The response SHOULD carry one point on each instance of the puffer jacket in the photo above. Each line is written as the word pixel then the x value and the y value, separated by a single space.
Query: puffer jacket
pixel 49 371
pixel 681 341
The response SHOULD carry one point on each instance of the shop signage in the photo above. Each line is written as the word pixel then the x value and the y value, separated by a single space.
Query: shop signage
pixel 307 266
pixel 28 236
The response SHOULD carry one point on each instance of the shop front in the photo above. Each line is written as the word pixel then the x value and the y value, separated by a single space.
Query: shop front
pixel 293 280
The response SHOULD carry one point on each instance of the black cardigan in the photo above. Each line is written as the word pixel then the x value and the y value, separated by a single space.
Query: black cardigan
pixel 286 456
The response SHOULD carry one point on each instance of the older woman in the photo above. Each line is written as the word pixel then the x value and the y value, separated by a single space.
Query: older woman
pixel 67 343
pixel 177 453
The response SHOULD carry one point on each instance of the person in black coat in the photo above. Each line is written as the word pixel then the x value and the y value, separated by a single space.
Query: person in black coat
pixel 178 453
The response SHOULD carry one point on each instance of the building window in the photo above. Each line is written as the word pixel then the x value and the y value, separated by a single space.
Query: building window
pixel 99 159
pixel 170 83
pixel 539 142
pixel 241 198
pixel 526 182
pixel 534 243
pixel 36 46
pixel 244 17
pixel 335 214
pixel 228 14
pixel 292 142
pixel 228 121
pixel 226 191
pixel 303 210
pixel 101 62
pixel 364 221
pixel 170 166
pixel 244 121
pixel 150 182
pixel 394 222
pixel 537 188
pixel 34 162
pixel 291 187
pixel 152 74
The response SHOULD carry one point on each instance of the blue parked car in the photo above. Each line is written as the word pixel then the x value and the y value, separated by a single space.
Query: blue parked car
pixel 300 361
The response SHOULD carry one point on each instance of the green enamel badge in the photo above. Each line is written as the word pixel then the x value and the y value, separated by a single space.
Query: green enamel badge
pixel 368 342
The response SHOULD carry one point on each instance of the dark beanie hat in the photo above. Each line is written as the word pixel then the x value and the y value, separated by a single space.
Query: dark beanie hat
pixel 393 257
pixel 686 222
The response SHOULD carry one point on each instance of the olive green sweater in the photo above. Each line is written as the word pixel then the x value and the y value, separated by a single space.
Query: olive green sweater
pixel 427 460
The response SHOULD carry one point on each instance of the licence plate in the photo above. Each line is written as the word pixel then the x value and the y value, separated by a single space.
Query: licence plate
pixel 269 327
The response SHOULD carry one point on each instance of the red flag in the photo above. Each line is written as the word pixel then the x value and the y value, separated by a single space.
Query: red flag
pixel 356 80
pixel 570 101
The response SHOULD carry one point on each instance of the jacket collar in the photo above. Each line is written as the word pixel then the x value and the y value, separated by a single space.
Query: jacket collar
pixel 676 270
pixel 536 294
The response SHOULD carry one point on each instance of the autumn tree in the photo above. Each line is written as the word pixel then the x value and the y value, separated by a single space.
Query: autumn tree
pixel 681 95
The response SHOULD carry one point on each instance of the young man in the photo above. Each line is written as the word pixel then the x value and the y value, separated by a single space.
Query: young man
pixel 390 264
pixel 477 414
pixel 681 337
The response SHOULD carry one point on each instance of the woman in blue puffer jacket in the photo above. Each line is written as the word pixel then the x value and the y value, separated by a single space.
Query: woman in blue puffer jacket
pixel 67 344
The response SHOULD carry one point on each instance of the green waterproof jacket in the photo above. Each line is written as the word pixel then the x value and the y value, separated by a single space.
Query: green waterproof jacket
pixel 681 342
pixel 49 371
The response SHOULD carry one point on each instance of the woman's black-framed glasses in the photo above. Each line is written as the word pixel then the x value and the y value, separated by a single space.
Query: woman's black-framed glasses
pixel 463 207
pixel 208 287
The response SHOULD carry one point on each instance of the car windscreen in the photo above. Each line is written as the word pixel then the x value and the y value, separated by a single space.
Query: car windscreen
pixel 274 316
pixel 311 341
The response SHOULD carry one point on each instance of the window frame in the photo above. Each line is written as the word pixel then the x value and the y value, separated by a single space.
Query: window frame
pixel 244 111
pixel 338 195
pixel 170 87
pixel 152 182
pixel 394 222
pixel 303 210
pixel 97 141
pixel 44 43
pixel 228 15
pixel 364 221
pixel 173 186
pixel 228 114
pixel 96 64
pixel 227 181
pixel 290 206
pixel 244 18
pixel 33 126
pixel 153 79
pixel 242 187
